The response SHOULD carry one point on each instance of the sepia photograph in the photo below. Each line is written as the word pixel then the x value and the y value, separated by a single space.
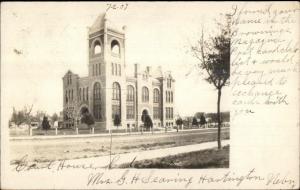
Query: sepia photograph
pixel 119 92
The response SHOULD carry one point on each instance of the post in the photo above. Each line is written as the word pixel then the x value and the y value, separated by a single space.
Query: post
pixel 76 130
pixel 30 131
pixel 55 130
pixel 109 166
pixel 93 130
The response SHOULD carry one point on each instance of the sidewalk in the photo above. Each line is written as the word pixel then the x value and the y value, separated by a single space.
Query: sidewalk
pixel 137 156
pixel 104 134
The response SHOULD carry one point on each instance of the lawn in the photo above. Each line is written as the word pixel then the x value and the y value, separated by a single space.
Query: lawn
pixel 210 158
pixel 73 148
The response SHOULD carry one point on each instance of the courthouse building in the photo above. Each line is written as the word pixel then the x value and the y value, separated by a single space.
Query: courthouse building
pixel 108 90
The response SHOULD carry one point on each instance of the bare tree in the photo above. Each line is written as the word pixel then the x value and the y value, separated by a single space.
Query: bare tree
pixel 213 56
pixel 22 116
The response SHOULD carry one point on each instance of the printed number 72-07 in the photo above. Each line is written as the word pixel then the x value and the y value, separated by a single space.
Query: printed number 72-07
pixel 116 6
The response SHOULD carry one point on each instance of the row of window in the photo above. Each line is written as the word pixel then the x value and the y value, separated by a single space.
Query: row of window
pixel 69 95
pixel 169 96
pixel 116 100
pixel 116 69
pixel 96 69
pixel 169 113
pixel 169 83
pixel 83 94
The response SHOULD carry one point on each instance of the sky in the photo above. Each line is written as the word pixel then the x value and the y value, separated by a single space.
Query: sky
pixel 42 41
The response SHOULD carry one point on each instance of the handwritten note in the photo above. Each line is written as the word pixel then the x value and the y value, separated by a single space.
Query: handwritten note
pixel 100 176
pixel 264 53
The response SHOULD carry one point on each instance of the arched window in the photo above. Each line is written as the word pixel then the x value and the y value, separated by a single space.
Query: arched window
pixel 155 95
pixel 115 47
pixel 145 94
pixel 97 101
pixel 116 91
pixel 130 111
pixel 116 100
pixel 97 48
pixel 130 93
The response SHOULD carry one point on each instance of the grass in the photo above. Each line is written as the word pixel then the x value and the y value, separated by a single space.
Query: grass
pixel 55 149
pixel 210 158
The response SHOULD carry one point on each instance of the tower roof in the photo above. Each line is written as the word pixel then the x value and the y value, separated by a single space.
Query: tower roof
pixel 98 23
pixel 105 18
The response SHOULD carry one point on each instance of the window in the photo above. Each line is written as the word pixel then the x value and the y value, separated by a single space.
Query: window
pixel 70 79
pixel 156 112
pixel 87 93
pixel 83 94
pixel 166 96
pixel 169 83
pixel 130 93
pixel 167 111
pixel 119 69
pixel 130 102
pixel 93 70
pixel 112 69
pixel 115 47
pixel 79 94
pixel 116 97
pixel 116 91
pixel 96 69
pixel 155 95
pixel 99 69
pixel 145 94
pixel 97 101
pixel 171 97
pixel 72 95
pixel 66 95
pixel 97 48
pixel 116 69
pixel 130 112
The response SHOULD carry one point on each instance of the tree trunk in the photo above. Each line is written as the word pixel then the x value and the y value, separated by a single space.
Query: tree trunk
pixel 219 119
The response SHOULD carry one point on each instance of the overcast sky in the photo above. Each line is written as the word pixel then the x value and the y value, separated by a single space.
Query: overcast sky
pixel 41 41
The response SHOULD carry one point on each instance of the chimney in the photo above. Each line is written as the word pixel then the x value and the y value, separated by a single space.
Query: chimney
pixel 149 70
pixel 136 69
